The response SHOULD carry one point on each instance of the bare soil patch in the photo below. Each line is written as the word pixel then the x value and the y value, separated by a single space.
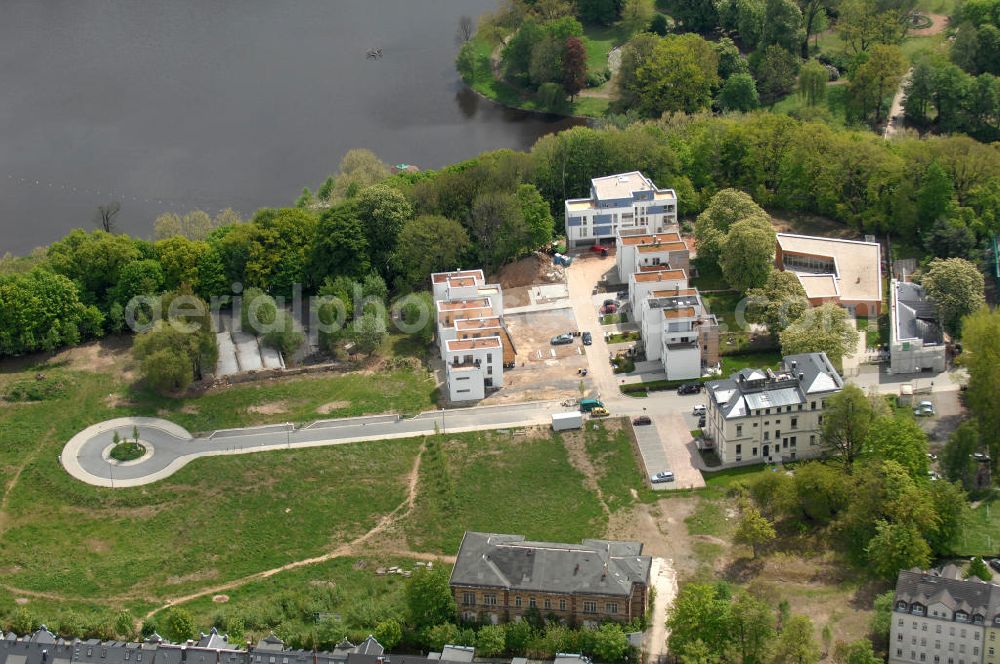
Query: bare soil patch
pixel 220 599
pixel 938 24
pixel 535 269
pixel 810 224
pixel 203 575
pixel 269 408
pixel 328 408
pixel 660 527
pixel 21 601
pixel 118 401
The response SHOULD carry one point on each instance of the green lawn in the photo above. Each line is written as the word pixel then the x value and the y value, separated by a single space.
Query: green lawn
pixel 345 593
pixel 981 534
pixel 835 103
pixel 292 400
pixel 763 360
pixel 482 81
pixel 504 483
pixel 618 470
pixel 709 276
pixel 599 40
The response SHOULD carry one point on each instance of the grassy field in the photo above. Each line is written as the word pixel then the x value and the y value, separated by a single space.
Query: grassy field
pixel 504 93
pixel 599 40
pixel 520 483
pixel 835 103
pixel 981 534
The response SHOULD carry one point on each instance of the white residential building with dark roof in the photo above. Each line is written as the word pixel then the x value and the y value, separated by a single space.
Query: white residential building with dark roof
pixel 940 618
pixel 623 202
pixel 765 416
pixel 916 342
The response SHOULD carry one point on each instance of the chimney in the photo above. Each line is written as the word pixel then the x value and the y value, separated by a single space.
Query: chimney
pixel 794 364
pixel 802 376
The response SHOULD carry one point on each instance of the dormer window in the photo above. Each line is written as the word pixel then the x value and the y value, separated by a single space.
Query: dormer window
pixel 902 606
pixel 961 616
pixel 918 609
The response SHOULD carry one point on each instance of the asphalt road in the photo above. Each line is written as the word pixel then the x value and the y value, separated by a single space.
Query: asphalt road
pixel 85 456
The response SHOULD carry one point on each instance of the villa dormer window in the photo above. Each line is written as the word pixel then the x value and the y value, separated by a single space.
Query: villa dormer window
pixel 977 619
pixel 918 609
pixel 902 606
pixel 961 616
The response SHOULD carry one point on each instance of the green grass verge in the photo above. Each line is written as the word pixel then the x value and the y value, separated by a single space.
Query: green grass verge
pixel 618 471
pixel 292 400
pixel 980 535
pixel 599 40
pixel 763 360
pixel 835 103
pixel 709 276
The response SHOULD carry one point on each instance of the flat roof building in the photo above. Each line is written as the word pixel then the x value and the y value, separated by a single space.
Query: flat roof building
pixel 848 272
pixel 627 202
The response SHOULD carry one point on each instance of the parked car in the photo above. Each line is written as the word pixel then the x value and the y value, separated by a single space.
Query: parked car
pixel 642 420
pixel 924 409
pixel 610 302
pixel 587 338
pixel 664 476
pixel 600 411
pixel 689 388
pixel 934 477
pixel 931 457
pixel 562 339
pixel 980 457
pixel 622 295
pixel 698 410
pixel 603 251
pixel 609 308
pixel 994 563
pixel 701 421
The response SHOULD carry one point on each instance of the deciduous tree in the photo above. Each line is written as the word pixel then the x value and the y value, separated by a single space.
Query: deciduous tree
pixel 827 328
pixel 778 302
pixel 680 75
pixel 847 420
pixel 748 253
pixel 574 66
pixel 956 287
pixel 739 93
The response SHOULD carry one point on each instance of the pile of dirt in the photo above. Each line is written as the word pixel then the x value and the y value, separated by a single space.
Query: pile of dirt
pixel 535 269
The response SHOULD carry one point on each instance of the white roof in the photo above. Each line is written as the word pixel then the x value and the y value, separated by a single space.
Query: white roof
pixel 858 266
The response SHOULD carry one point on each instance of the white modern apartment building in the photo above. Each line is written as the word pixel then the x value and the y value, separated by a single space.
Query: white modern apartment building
pixel 765 416
pixel 916 342
pixel 472 339
pixel 940 618
pixel 628 201
pixel 678 330
pixel 638 250
pixel 646 280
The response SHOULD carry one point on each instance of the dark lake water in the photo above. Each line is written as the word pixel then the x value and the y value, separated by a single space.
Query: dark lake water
pixel 182 104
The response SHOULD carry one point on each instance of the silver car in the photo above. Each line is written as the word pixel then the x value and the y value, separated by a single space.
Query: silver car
pixel 663 476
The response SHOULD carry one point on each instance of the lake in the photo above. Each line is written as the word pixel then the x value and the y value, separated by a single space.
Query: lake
pixel 209 104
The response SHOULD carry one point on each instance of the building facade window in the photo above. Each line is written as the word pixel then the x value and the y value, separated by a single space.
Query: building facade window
pixel 468 599
pixel 611 607
pixel 590 607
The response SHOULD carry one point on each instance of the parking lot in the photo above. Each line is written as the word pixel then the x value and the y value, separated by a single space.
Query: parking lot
pixel 543 371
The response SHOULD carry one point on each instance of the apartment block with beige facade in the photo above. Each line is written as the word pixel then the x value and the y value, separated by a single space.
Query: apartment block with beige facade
pixel 847 272
pixel 498 578
pixel 938 617
pixel 765 416
pixel 472 338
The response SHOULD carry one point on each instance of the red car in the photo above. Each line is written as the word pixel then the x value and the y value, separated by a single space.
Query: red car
pixel 609 308
pixel 603 251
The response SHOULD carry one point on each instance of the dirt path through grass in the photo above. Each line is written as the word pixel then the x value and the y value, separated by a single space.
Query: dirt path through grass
pixel 9 488
pixel 347 549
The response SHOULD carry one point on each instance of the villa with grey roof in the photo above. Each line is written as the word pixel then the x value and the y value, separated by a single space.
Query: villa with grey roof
pixel 916 341
pixel 627 202
pixel 765 416
pixel 939 617
pixel 498 578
